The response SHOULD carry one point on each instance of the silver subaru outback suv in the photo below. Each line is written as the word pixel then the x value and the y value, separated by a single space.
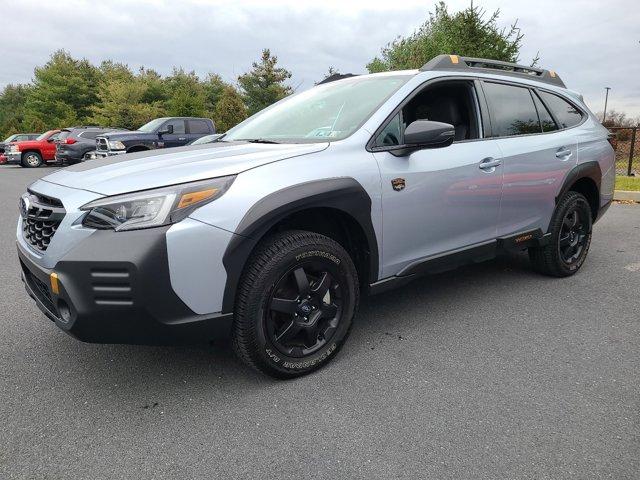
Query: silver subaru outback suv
pixel 270 235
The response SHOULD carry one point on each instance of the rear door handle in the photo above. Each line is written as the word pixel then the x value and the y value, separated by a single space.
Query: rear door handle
pixel 489 164
pixel 563 153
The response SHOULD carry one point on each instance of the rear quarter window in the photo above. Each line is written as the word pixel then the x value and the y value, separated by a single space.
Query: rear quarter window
pixel 568 115
pixel 90 135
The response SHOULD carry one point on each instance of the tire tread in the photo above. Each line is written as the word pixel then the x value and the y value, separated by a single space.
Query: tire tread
pixel 269 251
pixel 545 260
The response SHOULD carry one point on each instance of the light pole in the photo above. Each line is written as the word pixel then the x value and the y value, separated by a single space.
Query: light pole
pixel 606 99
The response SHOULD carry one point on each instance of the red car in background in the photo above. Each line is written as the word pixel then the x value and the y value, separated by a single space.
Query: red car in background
pixel 33 153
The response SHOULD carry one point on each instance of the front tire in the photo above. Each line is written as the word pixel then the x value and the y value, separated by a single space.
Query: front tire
pixel 570 238
pixel 295 304
pixel 31 160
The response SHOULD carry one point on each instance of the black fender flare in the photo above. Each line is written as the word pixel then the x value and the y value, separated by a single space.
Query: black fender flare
pixel 583 170
pixel 342 193
pixel 590 170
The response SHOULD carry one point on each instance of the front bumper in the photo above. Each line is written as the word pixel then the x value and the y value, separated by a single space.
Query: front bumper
pixel 109 153
pixel 14 158
pixel 66 157
pixel 116 288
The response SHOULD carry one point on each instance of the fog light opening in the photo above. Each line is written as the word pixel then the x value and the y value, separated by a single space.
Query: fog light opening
pixel 64 311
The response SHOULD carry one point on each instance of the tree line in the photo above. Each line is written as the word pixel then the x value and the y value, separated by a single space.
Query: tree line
pixel 68 91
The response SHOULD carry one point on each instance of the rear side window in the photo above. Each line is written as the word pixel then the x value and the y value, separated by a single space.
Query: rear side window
pixel 198 126
pixel 90 135
pixel 546 120
pixel 512 110
pixel 178 126
pixel 568 115
pixel 64 134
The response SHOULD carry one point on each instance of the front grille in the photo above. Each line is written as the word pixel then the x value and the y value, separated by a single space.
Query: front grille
pixel 41 217
pixel 102 145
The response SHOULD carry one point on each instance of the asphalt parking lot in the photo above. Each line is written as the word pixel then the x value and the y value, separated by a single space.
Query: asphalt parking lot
pixel 485 372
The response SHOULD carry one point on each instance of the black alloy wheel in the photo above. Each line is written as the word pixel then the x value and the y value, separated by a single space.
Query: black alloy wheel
pixel 568 240
pixel 573 236
pixel 295 304
pixel 305 309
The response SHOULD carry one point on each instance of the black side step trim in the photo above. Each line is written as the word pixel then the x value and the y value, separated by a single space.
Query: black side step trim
pixel 457 258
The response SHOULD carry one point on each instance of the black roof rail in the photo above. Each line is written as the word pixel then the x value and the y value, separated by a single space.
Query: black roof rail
pixel 337 76
pixel 468 64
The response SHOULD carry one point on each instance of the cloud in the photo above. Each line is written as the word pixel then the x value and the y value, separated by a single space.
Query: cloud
pixel 589 45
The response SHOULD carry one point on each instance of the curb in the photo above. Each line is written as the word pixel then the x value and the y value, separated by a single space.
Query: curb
pixel 626 195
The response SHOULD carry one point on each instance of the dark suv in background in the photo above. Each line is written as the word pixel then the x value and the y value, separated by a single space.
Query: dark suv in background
pixel 74 142
pixel 158 133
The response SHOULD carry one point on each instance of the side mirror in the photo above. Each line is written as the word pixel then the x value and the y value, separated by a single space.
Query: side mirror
pixel 425 134
pixel 51 140
pixel 166 130
pixel 428 134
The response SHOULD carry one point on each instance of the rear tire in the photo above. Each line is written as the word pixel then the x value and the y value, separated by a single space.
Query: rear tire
pixel 295 304
pixel 31 160
pixel 570 238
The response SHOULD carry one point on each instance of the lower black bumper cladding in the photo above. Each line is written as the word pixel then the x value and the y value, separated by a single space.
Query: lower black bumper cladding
pixel 115 288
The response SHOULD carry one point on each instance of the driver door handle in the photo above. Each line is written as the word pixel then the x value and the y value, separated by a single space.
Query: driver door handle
pixel 182 138
pixel 563 153
pixel 489 164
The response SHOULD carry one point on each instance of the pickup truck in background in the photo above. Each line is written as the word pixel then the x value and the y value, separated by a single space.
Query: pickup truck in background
pixel 17 137
pixel 33 153
pixel 159 133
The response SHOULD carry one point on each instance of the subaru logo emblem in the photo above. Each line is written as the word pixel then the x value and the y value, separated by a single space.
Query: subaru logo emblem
pixel 24 205
pixel 305 307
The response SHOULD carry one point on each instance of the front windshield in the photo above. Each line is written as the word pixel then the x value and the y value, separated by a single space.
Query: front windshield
pixel 10 138
pixel 327 112
pixel 152 125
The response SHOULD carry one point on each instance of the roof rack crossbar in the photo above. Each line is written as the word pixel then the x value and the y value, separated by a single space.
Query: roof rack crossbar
pixel 455 62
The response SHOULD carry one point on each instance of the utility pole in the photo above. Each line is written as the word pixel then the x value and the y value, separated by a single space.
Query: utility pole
pixel 606 99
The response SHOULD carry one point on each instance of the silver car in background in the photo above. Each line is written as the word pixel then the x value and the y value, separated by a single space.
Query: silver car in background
pixel 272 233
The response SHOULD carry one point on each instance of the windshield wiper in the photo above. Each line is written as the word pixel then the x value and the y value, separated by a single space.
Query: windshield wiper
pixel 257 140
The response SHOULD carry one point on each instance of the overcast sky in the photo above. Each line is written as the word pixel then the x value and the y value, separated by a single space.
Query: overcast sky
pixel 591 43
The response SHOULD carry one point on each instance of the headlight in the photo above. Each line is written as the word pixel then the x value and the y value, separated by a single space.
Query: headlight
pixel 153 208
pixel 116 145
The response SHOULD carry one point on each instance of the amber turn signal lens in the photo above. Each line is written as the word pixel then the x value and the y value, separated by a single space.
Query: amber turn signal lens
pixel 55 288
pixel 190 198
pixel 454 58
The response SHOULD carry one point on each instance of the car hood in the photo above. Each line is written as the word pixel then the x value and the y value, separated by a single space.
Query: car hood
pixel 123 135
pixel 24 144
pixel 158 168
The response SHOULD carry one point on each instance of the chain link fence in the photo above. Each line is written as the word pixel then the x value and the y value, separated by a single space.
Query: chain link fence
pixel 626 142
